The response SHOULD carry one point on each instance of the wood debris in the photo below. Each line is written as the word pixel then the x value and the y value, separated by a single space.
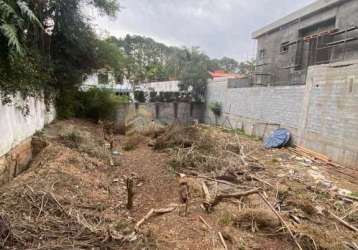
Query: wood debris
pixel 152 213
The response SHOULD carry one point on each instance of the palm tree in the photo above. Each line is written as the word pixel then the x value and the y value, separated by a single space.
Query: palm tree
pixel 15 18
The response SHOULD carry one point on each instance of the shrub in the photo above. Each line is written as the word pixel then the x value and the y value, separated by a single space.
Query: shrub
pixel 95 104
pixel 216 108
pixel 139 96
pixel 153 96
pixel 99 104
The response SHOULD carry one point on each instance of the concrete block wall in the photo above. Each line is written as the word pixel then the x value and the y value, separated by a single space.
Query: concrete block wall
pixel 257 110
pixel 329 124
pixel 16 130
pixel 322 115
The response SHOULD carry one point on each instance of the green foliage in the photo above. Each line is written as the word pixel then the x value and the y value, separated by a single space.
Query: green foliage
pixel 227 64
pixel 139 96
pixel 95 104
pixel 194 74
pixel 216 108
pixel 147 60
pixel 247 67
pixel 153 96
pixel 26 76
pixel 72 139
pixel 110 56
pixel 15 17
pixel 51 59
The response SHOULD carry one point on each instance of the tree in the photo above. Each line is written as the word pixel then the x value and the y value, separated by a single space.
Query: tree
pixel 194 74
pixel 73 47
pixel 110 56
pixel 229 65
pixel 247 67
pixel 15 18
pixel 52 46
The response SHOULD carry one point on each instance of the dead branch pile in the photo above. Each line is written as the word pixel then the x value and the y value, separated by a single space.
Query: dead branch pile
pixel 229 171
pixel 39 220
pixel 52 207
pixel 177 136
pixel 66 201
pixel 196 149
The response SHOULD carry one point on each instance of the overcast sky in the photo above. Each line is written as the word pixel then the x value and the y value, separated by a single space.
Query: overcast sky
pixel 219 27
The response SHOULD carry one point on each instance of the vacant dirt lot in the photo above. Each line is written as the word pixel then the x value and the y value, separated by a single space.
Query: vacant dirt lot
pixel 237 194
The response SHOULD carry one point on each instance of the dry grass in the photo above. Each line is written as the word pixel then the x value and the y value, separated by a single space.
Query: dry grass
pixel 257 220
pixel 131 142
pixel 311 238
pixel 64 201
pixel 197 149
pixel 84 141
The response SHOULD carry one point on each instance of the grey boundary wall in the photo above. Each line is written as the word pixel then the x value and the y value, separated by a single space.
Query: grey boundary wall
pixel 322 115
pixel 163 112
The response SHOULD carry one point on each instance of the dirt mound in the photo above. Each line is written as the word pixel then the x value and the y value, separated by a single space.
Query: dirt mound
pixel 84 141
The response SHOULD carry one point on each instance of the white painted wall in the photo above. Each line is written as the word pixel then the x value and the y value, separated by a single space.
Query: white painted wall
pixel 15 127
pixel 92 82
pixel 166 86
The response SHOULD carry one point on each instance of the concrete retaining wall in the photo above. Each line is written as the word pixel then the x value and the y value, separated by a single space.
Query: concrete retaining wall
pixel 166 113
pixel 16 130
pixel 323 115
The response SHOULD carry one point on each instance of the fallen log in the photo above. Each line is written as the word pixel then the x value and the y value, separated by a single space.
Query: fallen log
pixel 153 212
pixel 204 221
pixel 238 195
pixel 260 180
pixel 206 192
pixel 348 197
pixel 222 240
pixel 219 181
pixel 344 223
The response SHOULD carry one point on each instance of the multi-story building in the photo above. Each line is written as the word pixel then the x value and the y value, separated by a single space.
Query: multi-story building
pixel 325 31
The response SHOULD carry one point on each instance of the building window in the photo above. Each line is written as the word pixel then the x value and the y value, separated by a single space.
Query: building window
pixel 103 78
pixel 284 47
pixel 261 54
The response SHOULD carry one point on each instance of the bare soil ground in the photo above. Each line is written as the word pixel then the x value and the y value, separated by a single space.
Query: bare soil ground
pixel 73 196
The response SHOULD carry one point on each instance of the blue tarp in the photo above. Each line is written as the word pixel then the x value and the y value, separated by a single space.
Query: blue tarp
pixel 279 138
